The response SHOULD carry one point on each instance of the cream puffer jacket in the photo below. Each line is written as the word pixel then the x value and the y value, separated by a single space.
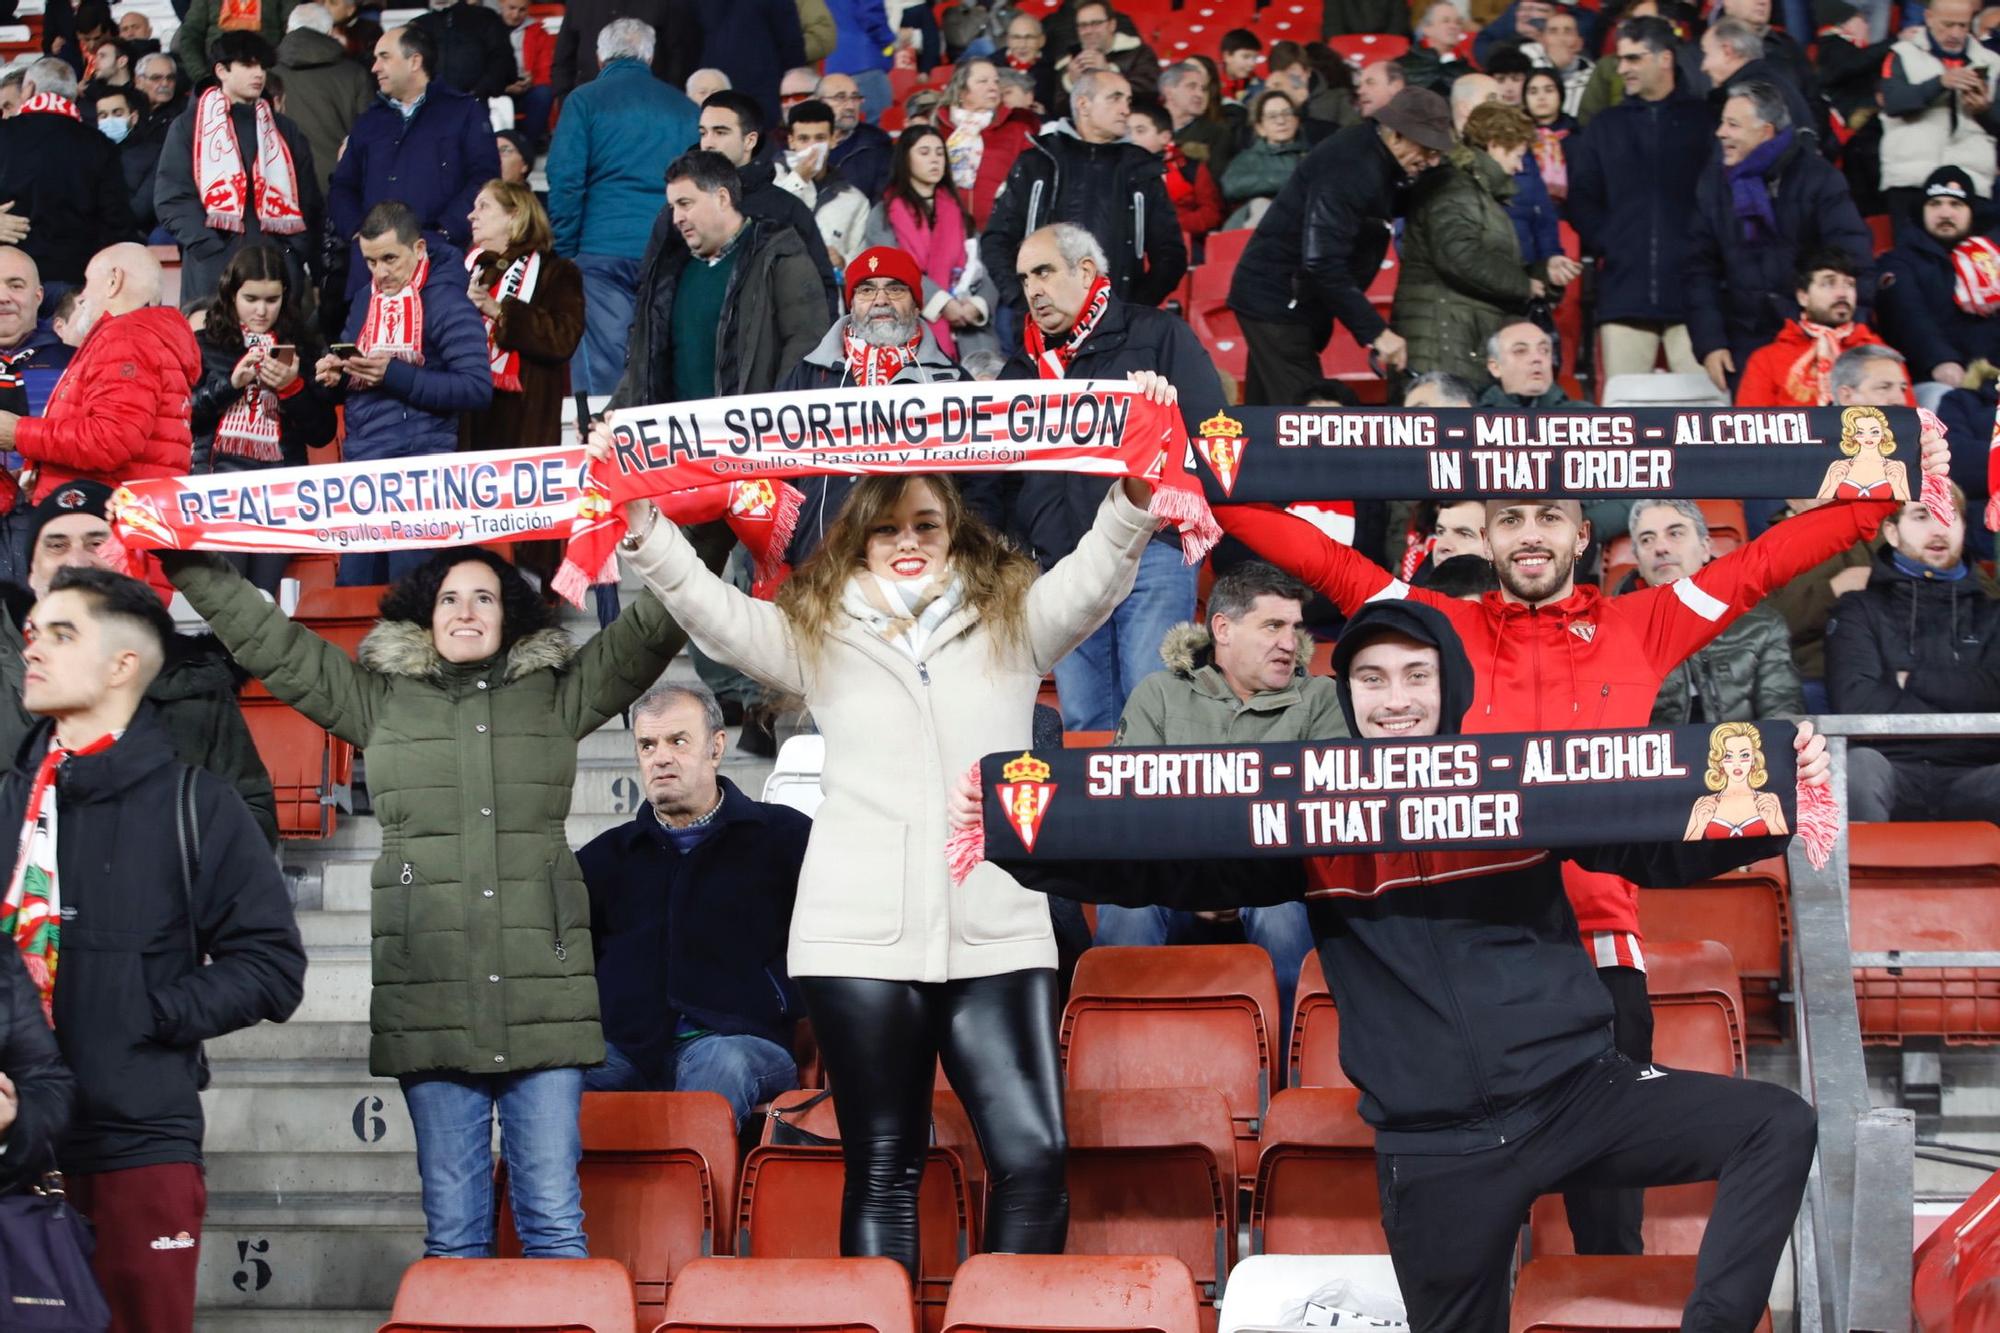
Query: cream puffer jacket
pixel 874 897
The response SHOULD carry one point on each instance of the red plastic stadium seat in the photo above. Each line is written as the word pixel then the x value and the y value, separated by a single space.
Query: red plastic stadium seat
pixel 1178 1016
pixel 1087 740
pixel 309 766
pixel 791 1296
pixel 1582 1294
pixel 1697 1006
pixel 1365 48
pixel 1315 1054
pixel 526 1295
pixel 1727 528
pixel 1955 1255
pixel 999 1293
pixel 1316 1191
pixel 1676 1215
pixel 1883 228
pixel 1207 307
pixel 1153 1171
pixel 1926 886
pixel 1749 911
pixel 659 1185
pixel 790 1206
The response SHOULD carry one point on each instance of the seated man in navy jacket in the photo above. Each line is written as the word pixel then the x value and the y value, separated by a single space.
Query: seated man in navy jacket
pixel 691 907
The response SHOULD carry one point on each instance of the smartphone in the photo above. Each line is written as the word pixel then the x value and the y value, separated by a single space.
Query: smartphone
pixel 344 350
pixel 285 354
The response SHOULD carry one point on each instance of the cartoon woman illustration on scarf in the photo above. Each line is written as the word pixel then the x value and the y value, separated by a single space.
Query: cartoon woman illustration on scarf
pixel 1866 473
pixel 1736 771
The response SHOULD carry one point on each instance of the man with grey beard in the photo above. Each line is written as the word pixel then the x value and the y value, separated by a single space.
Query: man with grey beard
pixel 885 338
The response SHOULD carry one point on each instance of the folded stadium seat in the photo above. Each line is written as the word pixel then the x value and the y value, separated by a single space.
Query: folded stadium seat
pixel 1298 20
pixel 312 770
pixel 794 776
pixel 1953 1256
pixel 1266 1290
pixel 659 1185
pixel 1749 910
pixel 1178 1016
pixel 1315 1055
pixel 1619 560
pixel 1315 1189
pixel 1923 886
pixel 790 1202
pixel 1208 309
pixel 1365 48
pixel 1697 1006
pixel 1087 740
pixel 997 1293
pixel 1663 389
pixel 1152 1171
pixel 1882 228
pixel 1676 1215
pixel 791 1296
pixel 522 1295
pixel 1587 1293
pixel 951 1134
pixel 313 571
pixel 1727 528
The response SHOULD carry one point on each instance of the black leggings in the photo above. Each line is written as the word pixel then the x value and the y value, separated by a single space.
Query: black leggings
pixel 997 1038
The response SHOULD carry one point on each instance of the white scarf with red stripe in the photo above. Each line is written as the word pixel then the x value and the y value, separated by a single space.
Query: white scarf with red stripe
pixel 227 190
pixel 395 323
pixel 250 429
pixel 517 281
pixel 869 365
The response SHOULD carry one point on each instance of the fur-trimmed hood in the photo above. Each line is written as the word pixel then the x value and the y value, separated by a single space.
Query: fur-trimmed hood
pixel 403 648
pixel 1188 648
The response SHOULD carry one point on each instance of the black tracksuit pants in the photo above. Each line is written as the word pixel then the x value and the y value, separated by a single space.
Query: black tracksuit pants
pixel 1611 1221
pixel 1452 1220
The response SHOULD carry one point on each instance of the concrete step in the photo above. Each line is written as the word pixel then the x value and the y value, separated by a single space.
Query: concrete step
pixel 254 1320
pixel 321 930
pixel 277 1177
pixel 299 1042
pixel 353 1116
pixel 309 1252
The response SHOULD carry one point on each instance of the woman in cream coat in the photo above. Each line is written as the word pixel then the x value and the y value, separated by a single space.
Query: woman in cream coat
pixel 918 638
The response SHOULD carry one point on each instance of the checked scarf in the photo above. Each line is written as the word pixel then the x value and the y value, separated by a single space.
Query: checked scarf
pixel 906 613
pixel 31 914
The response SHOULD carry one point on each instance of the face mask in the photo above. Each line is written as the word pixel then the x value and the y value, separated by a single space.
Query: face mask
pixel 115 128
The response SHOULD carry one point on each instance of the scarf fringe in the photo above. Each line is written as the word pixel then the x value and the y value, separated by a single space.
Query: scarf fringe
pixel 966 847
pixel 1820 822
pixel 1188 510
pixel 1937 498
pixel 770 569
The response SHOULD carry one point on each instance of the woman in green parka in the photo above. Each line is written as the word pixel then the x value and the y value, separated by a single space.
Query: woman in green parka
pixel 469 704
pixel 1261 170
pixel 1463 278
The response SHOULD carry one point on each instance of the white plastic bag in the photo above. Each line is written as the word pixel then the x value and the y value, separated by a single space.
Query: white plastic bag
pixel 1348 1303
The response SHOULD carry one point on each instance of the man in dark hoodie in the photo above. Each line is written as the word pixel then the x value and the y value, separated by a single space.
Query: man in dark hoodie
pixel 1922 637
pixel 194 696
pixel 1478 1032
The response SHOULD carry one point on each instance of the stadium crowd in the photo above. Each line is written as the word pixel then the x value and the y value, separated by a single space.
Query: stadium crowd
pixel 1794 208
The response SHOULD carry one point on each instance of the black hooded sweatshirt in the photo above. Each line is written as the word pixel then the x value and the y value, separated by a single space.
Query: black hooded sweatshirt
pixel 1469 1009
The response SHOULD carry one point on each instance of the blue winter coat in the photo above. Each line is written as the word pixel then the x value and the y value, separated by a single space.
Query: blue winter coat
pixel 435 162
pixel 1631 174
pixel 696 939
pixel 1919 317
pixel 1739 293
pixel 863 36
pixel 415 408
pixel 1534 214
pixel 616 137
pixel 754 42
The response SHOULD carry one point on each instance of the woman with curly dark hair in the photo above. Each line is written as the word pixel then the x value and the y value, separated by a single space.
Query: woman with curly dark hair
pixel 253 408
pixel 469 704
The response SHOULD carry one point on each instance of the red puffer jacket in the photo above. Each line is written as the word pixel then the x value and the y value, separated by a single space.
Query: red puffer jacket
pixel 1587 662
pixel 121 409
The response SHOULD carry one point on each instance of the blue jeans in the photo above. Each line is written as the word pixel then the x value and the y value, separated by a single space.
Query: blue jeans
pixel 1281 931
pixel 746 1070
pixel 876 93
pixel 610 289
pixel 452 1115
pixel 1100 673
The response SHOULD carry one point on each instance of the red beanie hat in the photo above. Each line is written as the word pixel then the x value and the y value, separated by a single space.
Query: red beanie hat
pixel 883 261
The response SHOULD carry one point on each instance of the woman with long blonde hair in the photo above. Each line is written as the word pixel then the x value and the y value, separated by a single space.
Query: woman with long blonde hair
pixel 918 637
pixel 1867 473
pixel 1739 807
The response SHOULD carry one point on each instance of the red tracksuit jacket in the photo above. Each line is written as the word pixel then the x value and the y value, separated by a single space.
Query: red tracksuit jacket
pixel 1587 662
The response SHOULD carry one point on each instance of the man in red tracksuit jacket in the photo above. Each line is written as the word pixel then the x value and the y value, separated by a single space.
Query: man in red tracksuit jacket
pixel 1550 655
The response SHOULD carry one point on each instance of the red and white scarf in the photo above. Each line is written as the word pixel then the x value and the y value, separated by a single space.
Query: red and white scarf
pixel 394 325
pixel 31 914
pixel 869 365
pixel 1052 363
pixel 250 429
pixel 52 103
pixel 227 191
pixel 518 281
pixel 1810 378
pixel 1975 265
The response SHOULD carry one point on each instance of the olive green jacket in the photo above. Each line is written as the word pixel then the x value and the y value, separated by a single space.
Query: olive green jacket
pixel 1462 273
pixel 482 950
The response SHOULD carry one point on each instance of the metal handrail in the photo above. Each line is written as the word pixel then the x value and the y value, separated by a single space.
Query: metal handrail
pixel 1854 1241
